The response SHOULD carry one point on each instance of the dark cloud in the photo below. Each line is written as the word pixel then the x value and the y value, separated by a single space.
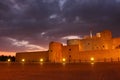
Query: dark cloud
pixel 41 21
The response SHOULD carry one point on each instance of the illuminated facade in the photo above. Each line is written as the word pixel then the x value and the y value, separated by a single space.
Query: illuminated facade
pixel 98 48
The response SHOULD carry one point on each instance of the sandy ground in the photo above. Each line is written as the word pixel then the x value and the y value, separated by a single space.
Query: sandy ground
pixel 47 71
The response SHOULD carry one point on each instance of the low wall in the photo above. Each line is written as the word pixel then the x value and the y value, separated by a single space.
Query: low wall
pixel 100 55
pixel 32 56
pixel 83 56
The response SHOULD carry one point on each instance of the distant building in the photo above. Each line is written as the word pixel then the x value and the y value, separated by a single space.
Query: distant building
pixel 101 47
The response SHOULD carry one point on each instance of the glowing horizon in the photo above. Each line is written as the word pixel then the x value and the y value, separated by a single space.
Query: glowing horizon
pixel 7 53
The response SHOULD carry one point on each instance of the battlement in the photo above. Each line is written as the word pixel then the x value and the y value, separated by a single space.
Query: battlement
pixel 101 41
pixel 106 34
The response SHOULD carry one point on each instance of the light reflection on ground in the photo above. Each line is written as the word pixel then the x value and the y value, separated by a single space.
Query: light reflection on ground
pixel 47 71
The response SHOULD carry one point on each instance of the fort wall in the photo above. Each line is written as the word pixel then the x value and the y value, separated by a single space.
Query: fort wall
pixel 100 55
pixel 32 56
pixel 116 43
pixel 70 52
pixel 102 47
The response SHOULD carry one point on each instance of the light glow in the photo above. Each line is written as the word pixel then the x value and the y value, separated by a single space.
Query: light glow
pixel 41 60
pixel 8 60
pixel 63 59
pixel 92 58
pixel 23 60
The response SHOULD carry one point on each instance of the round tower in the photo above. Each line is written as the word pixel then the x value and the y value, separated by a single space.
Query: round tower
pixel 55 52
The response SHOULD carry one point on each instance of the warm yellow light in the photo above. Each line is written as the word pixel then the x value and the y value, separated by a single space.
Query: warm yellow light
pixel 8 60
pixel 23 60
pixel 92 58
pixel 63 59
pixel 41 60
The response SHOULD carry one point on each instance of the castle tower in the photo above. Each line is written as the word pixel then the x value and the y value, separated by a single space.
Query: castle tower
pixel 106 34
pixel 55 52
pixel 106 37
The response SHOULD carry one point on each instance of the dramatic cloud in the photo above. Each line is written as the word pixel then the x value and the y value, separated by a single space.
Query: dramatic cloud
pixel 25 44
pixel 32 24
pixel 71 37
pixel 19 45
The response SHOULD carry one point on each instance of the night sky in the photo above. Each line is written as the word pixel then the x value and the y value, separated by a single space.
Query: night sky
pixel 29 25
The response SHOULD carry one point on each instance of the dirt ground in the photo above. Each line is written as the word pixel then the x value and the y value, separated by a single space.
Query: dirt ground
pixel 48 71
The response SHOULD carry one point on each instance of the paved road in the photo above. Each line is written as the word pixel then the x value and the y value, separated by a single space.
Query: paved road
pixel 37 71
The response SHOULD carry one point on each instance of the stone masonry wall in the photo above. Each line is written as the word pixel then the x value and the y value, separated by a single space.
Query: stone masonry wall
pixel 100 55
pixel 32 56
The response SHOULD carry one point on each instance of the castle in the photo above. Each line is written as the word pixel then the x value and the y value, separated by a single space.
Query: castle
pixel 99 48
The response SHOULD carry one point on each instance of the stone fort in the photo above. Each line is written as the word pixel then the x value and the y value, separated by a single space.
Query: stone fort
pixel 100 48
